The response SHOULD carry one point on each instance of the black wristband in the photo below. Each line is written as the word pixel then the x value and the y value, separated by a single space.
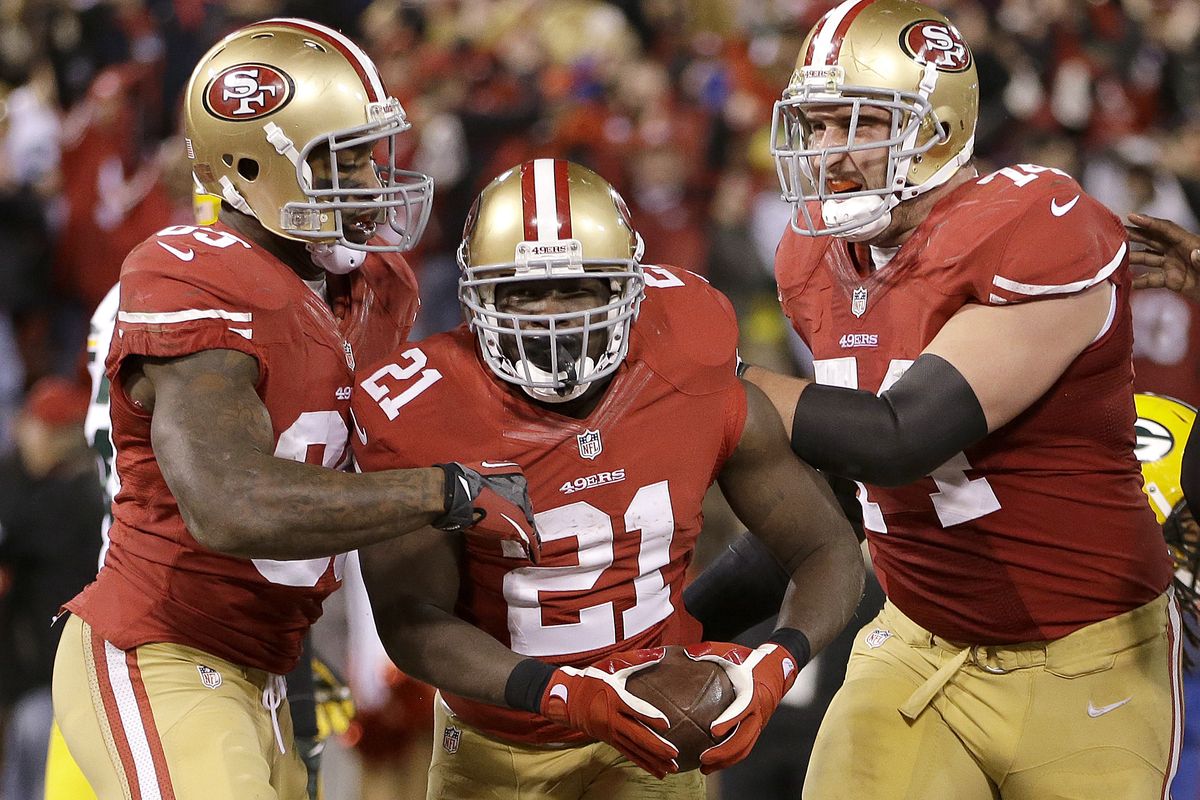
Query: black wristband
pixel 795 642
pixel 527 683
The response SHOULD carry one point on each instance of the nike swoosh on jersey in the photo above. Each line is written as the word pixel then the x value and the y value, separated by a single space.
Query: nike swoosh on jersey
pixel 183 255
pixel 1094 711
pixel 1058 210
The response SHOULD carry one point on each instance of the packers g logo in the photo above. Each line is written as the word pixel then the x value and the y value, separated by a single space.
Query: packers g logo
pixel 1154 441
pixel 247 91
pixel 929 41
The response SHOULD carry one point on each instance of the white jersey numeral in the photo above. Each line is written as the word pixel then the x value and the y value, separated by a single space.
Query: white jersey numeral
pixel 392 405
pixel 650 513
pixel 957 500
pixel 312 429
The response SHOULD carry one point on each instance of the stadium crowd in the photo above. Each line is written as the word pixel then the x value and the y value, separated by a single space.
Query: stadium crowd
pixel 670 100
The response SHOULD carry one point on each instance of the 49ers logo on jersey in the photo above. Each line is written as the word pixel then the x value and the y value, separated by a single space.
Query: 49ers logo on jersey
pixel 248 91
pixel 934 42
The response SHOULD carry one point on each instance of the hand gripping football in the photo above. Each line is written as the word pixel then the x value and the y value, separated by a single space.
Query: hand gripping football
pixel 691 693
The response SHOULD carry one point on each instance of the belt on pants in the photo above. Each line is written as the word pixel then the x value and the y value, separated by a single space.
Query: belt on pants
pixel 1093 642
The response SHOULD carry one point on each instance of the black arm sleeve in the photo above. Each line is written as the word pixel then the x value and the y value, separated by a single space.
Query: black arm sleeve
pixel 739 589
pixel 1189 473
pixel 894 438
pixel 300 695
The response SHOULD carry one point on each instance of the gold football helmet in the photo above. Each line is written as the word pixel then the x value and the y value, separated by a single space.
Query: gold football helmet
pixel 550 219
pixel 273 99
pixel 895 55
pixel 1163 426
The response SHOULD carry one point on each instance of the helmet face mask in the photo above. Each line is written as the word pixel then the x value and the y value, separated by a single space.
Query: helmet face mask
pixel 275 102
pixel 894 56
pixel 553 355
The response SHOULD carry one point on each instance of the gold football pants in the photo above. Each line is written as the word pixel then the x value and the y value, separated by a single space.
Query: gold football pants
pixel 1095 714
pixel 467 764
pixel 168 722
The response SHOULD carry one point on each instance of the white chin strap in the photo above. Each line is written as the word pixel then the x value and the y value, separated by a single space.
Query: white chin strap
pixel 546 395
pixel 335 258
pixel 875 211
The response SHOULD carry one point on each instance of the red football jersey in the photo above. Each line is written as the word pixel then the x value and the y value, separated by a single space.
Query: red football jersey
pixel 1041 528
pixel 189 289
pixel 618 495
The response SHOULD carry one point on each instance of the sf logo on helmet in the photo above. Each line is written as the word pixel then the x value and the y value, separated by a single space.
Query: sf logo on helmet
pixel 934 42
pixel 247 91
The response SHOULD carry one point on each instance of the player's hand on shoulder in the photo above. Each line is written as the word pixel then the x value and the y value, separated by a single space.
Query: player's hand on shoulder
pixel 596 701
pixel 490 498
pixel 760 678
pixel 1171 258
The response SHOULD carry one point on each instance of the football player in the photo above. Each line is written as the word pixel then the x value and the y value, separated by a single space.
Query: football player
pixel 230 376
pixel 621 426
pixel 971 338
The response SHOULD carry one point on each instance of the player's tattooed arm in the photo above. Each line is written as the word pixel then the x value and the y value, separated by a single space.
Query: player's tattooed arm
pixel 214 442
pixel 791 509
pixel 413 585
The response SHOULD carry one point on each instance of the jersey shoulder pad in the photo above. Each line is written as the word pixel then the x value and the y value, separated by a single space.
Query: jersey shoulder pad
pixel 184 266
pixel 188 289
pixel 1043 236
pixel 415 406
pixel 686 332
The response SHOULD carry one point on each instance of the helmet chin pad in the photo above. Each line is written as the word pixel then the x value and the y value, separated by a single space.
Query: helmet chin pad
pixel 335 258
pixel 859 218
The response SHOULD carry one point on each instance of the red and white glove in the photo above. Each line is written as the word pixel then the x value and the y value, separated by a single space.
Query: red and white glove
pixel 760 678
pixel 594 700
pixel 490 498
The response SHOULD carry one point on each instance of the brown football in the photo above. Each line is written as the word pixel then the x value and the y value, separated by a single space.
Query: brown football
pixel 691 693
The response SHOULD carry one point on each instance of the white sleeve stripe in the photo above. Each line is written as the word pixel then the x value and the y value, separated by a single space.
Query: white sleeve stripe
pixel 245 333
pixel 189 315
pixel 1063 288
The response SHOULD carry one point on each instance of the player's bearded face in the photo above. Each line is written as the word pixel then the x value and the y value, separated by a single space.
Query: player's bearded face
pixel 829 126
pixel 552 296
pixel 355 170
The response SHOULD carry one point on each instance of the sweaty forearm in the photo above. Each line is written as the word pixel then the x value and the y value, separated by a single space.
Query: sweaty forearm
pixel 434 646
pixel 274 508
pixel 825 589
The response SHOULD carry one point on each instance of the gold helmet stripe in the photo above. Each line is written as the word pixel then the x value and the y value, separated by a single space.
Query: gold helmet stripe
pixel 358 59
pixel 826 45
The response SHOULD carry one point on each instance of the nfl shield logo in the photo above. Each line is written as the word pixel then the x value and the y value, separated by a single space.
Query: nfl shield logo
pixel 589 444
pixel 858 301
pixel 209 676
pixel 450 739
pixel 877 637
pixel 349 354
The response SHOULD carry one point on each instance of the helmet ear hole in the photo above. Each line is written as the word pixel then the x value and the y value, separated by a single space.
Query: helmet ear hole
pixel 247 168
pixel 227 160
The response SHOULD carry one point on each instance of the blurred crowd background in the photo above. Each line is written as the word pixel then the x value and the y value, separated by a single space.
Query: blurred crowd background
pixel 670 100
